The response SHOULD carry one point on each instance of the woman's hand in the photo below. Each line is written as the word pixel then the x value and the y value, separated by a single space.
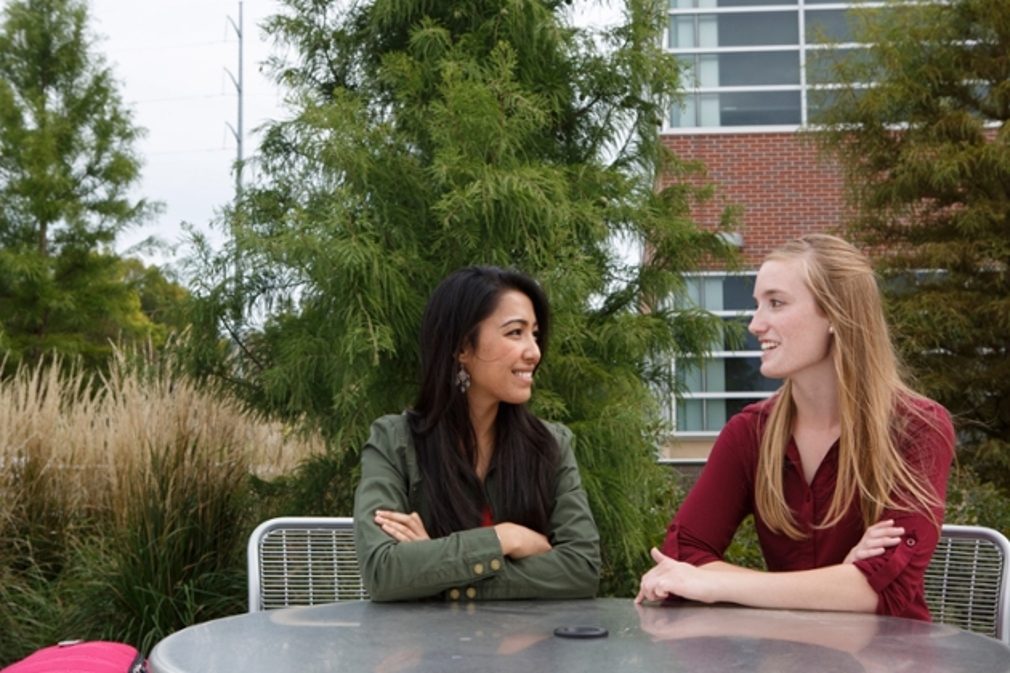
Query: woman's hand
pixel 876 540
pixel 519 541
pixel 401 527
pixel 674 578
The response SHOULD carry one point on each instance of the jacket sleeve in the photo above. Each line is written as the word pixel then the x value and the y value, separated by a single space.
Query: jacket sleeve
pixel 571 569
pixel 396 572
pixel 897 574
pixel 705 524
pixel 467 564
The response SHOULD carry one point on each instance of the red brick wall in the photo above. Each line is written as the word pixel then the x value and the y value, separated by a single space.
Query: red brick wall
pixel 779 179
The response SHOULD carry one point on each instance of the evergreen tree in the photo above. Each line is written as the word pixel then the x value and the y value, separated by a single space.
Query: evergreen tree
pixel 927 167
pixel 66 166
pixel 429 136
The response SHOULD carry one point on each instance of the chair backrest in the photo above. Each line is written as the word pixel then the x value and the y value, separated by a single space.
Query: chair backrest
pixel 302 561
pixel 967 581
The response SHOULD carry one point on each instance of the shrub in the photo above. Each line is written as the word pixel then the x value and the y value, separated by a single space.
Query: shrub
pixel 125 502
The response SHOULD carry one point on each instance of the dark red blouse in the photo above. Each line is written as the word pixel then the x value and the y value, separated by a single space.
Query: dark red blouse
pixel 724 494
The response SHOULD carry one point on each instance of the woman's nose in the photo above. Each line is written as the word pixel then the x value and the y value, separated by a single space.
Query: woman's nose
pixel 756 325
pixel 533 352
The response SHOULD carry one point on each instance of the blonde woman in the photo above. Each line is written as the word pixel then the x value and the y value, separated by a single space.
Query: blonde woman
pixel 845 469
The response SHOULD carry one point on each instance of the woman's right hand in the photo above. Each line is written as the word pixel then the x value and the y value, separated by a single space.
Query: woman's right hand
pixel 876 540
pixel 519 541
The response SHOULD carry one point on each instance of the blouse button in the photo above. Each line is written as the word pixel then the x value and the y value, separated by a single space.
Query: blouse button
pixel 454 594
pixel 479 568
pixel 471 592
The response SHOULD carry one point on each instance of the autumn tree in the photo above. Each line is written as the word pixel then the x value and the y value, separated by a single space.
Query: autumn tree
pixel 920 128
pixel 428 136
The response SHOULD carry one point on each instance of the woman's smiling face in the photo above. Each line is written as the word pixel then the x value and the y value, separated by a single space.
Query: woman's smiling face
pixel 794 333
pixel 502 362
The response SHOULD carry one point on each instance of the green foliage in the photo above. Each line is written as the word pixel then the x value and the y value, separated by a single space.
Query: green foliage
pixel 927 167
pixel 176 555
pixel 426 137
pixel 971 502
pixel 66 168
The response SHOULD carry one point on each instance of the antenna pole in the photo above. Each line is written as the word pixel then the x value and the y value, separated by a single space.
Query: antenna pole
pixel 237 131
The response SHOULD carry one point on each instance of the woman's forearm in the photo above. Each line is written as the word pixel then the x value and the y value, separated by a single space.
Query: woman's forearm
pixel 839 587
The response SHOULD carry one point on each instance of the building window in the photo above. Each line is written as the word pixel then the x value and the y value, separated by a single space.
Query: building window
pixel 730 378
pixel 747 62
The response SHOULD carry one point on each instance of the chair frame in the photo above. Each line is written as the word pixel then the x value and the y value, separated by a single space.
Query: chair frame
pixel 941 568
pixel 297 525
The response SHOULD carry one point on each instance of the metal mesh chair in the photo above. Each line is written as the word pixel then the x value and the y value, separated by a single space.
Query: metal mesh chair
pixel 967 581
pixel 302 561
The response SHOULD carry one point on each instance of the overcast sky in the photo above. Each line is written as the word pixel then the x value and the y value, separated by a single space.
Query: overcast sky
pixel 172 59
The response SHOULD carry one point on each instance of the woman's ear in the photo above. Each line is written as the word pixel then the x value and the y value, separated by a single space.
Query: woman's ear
pixel 465 354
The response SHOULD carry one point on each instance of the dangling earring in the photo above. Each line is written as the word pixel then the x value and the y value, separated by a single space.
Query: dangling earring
pixel 462 379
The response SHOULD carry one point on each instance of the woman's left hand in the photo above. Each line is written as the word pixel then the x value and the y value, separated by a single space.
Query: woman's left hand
pixel 875 541
pixel 401 527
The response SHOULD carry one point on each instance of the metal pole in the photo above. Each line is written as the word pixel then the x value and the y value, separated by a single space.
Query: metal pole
pixel 237 131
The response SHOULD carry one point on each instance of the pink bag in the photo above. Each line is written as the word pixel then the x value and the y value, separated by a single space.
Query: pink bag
pixel 82 657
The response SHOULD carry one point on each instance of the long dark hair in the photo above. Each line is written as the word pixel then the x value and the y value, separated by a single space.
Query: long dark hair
pixel 525 454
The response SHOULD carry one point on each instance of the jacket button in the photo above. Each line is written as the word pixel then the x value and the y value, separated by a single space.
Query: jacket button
pixel 495 564
pixel 471 592
pixel 479 568
pixel 454 594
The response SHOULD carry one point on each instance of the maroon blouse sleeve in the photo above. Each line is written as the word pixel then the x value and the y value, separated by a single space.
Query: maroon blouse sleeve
pixel 723 495
pixel 897 575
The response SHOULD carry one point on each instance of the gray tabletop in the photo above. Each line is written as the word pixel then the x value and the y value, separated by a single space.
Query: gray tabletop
pixel 519 636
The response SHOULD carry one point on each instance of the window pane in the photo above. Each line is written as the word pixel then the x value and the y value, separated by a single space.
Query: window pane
pixel 757 28
pixel 693 4
pixel 821 63
pixel 734 407
pixel 754 3
pixel 682 32
pixel 715 414
pixel 738 339
pixel 738 293
pixel 760 68
pixel 690 415
pixel 690 378
pixel 828 25
pixel 709 113
pixel 708 70
pixel 744 375
pixel 759 107
pixel 819 100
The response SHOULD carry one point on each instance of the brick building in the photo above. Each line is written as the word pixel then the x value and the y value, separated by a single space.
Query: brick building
pixel 751 63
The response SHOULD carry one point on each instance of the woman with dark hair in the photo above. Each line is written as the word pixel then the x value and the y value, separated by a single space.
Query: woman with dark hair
pixel 468 495
pixel 845 469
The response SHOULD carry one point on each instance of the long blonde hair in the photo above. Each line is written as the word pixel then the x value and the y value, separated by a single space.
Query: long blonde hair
pixel 874 402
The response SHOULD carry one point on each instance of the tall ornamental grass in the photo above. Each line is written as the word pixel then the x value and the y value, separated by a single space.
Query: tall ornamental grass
pixel 125 502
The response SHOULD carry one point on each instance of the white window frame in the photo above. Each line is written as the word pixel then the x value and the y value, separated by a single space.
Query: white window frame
pixel 671 407
pixel 802 46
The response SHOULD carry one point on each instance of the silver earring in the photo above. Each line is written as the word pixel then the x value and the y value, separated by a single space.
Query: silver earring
pixel 462 379
pixel 831 329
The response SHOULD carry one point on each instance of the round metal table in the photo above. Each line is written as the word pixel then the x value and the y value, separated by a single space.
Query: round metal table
pixel 519 636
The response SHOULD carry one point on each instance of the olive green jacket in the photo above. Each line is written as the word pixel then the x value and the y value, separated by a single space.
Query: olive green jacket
pixel 467 564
